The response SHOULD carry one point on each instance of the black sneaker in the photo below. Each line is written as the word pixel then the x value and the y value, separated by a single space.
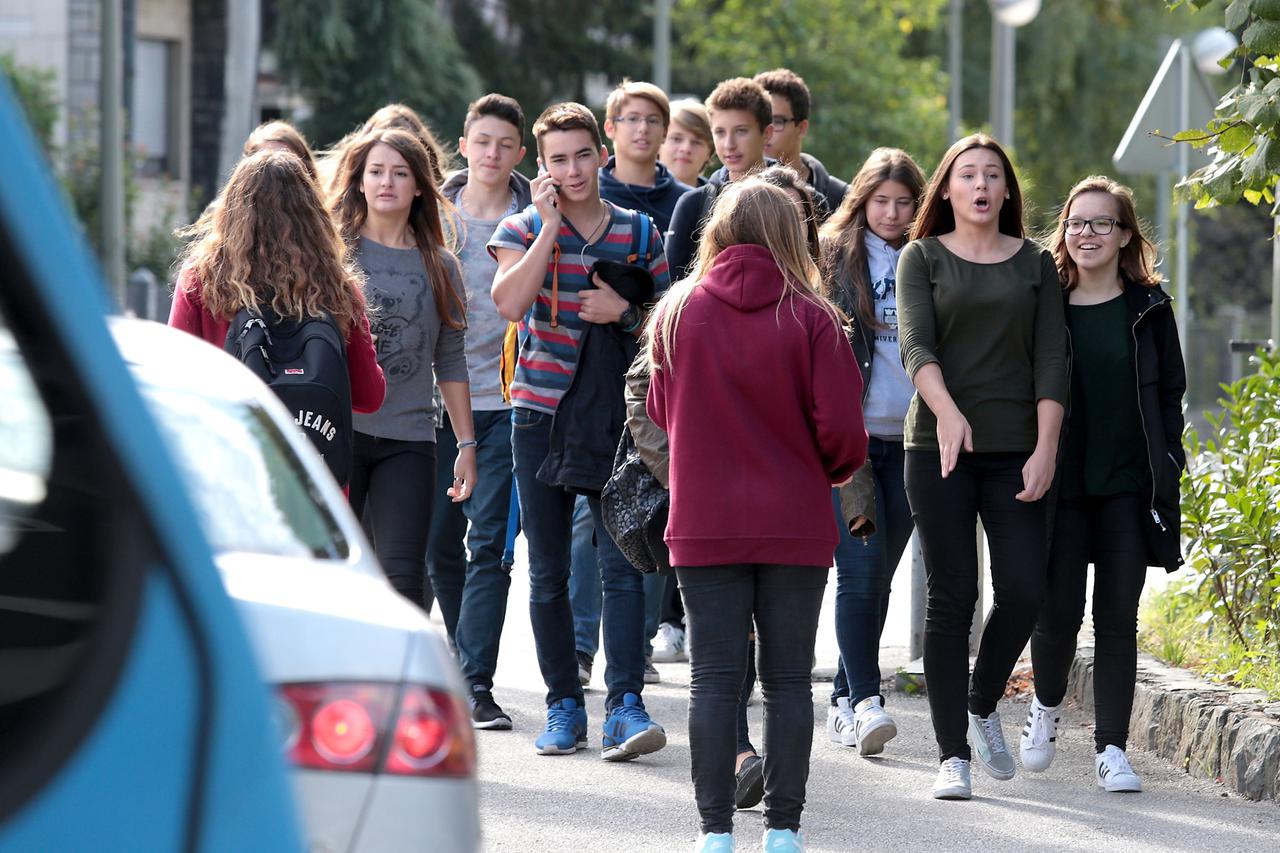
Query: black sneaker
pixel 585 662
pixel 749 790
pixel 485 713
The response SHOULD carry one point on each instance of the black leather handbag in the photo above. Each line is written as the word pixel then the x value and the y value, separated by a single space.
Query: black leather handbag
pixel 634 507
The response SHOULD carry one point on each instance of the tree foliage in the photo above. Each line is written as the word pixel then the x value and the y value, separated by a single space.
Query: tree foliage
pixel 1243 138
pixel 871 83
pixel 350 57
pixel 36 90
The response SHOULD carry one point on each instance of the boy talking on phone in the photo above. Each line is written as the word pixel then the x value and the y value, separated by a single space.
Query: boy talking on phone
pixel 542 279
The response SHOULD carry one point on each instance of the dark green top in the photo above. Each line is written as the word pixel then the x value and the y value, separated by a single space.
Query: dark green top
pixel 1105 452
pixel 997 332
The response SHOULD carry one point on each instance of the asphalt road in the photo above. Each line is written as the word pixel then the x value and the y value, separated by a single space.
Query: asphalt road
pixel 540 803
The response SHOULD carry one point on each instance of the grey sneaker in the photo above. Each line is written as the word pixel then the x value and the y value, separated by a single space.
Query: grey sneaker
pixel 651 675
pixel 989 748
pixel 953 782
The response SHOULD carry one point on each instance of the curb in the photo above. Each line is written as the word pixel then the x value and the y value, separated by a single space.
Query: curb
pixel 1209 730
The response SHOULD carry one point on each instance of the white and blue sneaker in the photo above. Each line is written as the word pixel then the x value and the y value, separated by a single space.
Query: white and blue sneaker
pixel 714 842
pixel 989 748
pixel 566 729
pixel 629 733
pixel 783 841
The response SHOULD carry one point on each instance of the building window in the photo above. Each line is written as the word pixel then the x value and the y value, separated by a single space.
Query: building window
pixel 154 123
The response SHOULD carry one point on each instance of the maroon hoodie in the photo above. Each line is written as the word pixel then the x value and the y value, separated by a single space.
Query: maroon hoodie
pixel 762 408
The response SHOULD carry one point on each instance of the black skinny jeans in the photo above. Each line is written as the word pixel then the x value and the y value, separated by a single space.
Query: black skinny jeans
pixel 394 481
pixel 946 513
pixel 1106 531
pixel 720 604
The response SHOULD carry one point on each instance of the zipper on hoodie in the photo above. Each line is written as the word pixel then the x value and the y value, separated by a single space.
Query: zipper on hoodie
pixel 1137 381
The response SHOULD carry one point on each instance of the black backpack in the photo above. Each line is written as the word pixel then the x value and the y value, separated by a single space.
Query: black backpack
pixel 305 364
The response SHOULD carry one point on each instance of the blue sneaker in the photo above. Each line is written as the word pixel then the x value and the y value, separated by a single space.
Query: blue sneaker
pixel 783 841
pixel 629 733
pixel 714 842
pixel 566 729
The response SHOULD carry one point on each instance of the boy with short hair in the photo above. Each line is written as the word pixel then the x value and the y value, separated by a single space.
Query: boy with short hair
pixel 741 127
pixel 544 256
pixel 473 596
pixel 636 118
pixel 791 103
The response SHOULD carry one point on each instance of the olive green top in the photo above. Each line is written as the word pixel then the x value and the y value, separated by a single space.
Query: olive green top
pixel 996 331
pixel 1105 450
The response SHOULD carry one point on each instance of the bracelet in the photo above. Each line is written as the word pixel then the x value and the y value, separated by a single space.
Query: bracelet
pixel 470 442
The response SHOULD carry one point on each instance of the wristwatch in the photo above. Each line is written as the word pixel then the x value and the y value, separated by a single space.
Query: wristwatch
pixel 630 319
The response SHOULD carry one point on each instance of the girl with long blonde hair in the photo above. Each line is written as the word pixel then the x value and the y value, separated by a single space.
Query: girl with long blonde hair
pixel 268 241
pixel 389 209
pixel 751 378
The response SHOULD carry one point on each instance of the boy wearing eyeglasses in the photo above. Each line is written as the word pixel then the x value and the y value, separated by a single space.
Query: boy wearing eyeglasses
pixel 636 119
pixel 741 127
pixel 791 107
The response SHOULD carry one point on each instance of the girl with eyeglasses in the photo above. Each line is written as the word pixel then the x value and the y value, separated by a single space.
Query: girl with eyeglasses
pixel 982 337
pixel 1121 462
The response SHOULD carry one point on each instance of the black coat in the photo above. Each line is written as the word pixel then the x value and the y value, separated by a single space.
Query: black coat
pixel 1161 382
pixel 861 336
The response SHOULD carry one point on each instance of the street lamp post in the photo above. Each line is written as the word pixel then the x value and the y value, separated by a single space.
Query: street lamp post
pixel 1006 16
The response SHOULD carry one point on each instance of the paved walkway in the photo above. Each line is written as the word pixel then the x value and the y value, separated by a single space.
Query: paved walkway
pixel 534 803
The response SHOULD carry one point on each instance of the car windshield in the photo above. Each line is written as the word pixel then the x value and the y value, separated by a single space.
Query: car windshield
pixel 251 491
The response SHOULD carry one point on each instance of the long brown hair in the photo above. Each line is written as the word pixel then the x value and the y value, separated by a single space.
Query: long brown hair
pixel 1137 257
pixel 351 210
pixel 788 178
pixel 936 215
pixel 844 235
pixel 405 118
pixel 268 240
pixel 747 212
pixel 281 133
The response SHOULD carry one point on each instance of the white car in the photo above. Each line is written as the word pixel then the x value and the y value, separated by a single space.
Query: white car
pixel 369 702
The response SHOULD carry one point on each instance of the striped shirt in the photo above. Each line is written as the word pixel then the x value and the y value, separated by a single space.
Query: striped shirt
pixel 549 356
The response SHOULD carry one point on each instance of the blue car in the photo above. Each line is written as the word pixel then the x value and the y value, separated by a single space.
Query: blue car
pixel 131 713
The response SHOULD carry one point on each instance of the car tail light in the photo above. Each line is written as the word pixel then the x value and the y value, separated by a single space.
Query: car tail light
pixel 433 736
pixel 357 727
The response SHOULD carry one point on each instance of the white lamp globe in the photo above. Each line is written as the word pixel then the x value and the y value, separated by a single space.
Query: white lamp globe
pixel 1015 13
pixel 1210 47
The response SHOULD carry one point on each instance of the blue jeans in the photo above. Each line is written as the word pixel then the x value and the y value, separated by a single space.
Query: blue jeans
pixel 546 513
pixel 864 572
pixel 584 581
pixel 473 593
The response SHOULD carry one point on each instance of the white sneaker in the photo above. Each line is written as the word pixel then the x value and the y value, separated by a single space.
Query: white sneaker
pixel 783 841
pixel 953 782
pixel 989 747
pixel 668 644
pixel 1038 743
pixel 842 726
pixel 1113 772
pixel 872 725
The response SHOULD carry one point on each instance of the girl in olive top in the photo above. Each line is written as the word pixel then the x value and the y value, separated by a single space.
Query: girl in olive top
pixel 1122 458
pixel 982 337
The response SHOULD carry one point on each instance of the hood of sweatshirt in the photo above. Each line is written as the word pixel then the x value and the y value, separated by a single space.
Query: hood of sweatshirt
pixel 745 277
pixel 518 183
pixel 664 183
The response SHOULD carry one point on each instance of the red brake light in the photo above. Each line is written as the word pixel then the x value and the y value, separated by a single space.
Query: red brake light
pixel 342 731
pixel 347 726
pixel 433 736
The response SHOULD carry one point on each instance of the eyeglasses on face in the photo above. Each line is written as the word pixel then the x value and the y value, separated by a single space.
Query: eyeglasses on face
pixel 647 121
pixel 1101 226
pixel 780 122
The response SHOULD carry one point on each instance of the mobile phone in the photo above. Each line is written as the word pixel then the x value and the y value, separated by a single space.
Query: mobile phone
pixel 542 170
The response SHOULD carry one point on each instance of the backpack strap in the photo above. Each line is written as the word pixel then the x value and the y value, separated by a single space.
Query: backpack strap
pixel 535 228
pixel 640 240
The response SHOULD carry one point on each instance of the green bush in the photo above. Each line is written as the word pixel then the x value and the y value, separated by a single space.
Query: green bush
pixel 1231 515
pixel 36 90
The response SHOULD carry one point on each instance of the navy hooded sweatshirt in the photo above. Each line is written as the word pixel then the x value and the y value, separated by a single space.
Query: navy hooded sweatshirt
pixel 659 200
